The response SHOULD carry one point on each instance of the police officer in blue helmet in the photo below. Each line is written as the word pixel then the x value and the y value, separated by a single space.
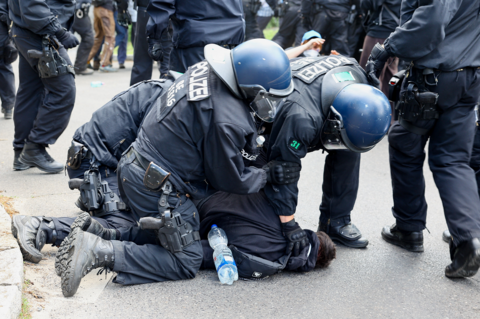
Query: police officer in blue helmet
pixel 197 138
pixel 332 108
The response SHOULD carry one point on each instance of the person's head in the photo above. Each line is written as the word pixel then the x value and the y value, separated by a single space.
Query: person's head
pixel 257 71
pixel 310 35
pixel 326 251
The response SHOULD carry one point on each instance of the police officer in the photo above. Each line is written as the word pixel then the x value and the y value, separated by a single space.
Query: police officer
pixel 142 62
pixel 308 121
pixel 195 24
pixel 291 27
pixel 441 88
pixel 8 54
pixel 328 17
pixel 196 139
pixel 83 26
pixel 96 148
pixel 46 92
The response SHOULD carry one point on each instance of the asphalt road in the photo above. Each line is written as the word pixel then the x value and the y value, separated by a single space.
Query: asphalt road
pixel 377 282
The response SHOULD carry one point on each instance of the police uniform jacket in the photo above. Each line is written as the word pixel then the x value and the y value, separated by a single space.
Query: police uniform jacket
pixel 335 5
pixel 442 35
pixel 42 16
pixel 114 126
pixel 298 125
pixel 380 23
pixel 197 23
pixel 201 133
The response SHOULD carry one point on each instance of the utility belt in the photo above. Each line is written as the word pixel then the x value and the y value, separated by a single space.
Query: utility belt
pixel 50 63
pixel 82 10
pixel 415 102
pixel 281 9
pixel 76 154
pixel 173 232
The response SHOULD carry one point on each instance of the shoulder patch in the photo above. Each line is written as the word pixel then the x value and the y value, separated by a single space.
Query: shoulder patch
pixel 318 66
pixel 198 88
pixel 294 144
pixel 168 99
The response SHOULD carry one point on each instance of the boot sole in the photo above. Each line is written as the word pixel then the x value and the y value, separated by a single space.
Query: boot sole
pixel 27 256
pixel 43 169
pixel 83 222
pixel 69 287
pixel 469 269
pixel 415 248
pixel 350 243
pixel 21 168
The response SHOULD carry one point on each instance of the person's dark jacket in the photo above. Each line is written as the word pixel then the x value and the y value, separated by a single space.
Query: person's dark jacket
pixel 42 16
pixel 197 23
pixel 379 21
pixel 443 35
pixel 297 127
pixel 114 126
pixel 201 133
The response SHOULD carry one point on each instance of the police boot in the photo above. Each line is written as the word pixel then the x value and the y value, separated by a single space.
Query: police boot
pixel 85 253
pixel 34 154
pixel 24 229
pixel 446 236
pixel 343 231
pixel 86 223
pixel 46 233
pixel 17 165
pixel 7 113
pixel 465 259
pixel 411 241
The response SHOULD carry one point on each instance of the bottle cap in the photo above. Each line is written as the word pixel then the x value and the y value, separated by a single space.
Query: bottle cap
pixel 214 226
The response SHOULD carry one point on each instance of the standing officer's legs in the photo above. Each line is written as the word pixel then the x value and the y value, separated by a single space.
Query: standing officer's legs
pixel 7 78
pixel 285 36
pixel 142 62
pixel 83 27
pixel 340 188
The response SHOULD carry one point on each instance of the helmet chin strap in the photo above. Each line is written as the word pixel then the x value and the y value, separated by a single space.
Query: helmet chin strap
pixel 220 60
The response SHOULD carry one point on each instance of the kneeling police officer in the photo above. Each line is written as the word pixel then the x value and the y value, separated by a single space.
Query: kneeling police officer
pixel 437 100
pixel 199 137
pixel 46 92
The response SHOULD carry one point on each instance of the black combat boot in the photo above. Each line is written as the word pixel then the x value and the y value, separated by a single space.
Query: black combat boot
pixel 465 259
pixel 411 241
pixel 17 165
pixel 46 233
pixel 34 154
pixel 7 113
pixel 343 231
pixel 24 229
pixel 86 223
pixel 85 253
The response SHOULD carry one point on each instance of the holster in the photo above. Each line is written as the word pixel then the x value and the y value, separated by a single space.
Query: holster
pixel 417 102
pixel 76 153
pixel 253 267
pixel 50 63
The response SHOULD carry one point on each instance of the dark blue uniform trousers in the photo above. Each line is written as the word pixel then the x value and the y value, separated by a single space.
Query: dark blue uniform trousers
pixel 83 27
pixel 7 78
pixel 450 148
pixel 181 59
pixel 138 256
pixel 291 30
pixel 142 62
pixel 43 106
pixel 340 185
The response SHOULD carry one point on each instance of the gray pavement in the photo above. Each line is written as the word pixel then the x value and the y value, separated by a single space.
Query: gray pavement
pixel 377 282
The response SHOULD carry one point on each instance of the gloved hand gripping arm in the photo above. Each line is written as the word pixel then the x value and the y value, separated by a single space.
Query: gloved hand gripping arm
pixel 282 173
pixel 296 237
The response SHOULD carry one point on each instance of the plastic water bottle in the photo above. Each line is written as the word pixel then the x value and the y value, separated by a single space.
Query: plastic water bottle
pixel 222 256
pixel 96 84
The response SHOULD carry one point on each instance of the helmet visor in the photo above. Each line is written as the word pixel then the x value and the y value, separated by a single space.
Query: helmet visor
pixel 266 105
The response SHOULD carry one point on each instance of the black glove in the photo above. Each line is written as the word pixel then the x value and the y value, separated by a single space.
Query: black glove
pixel 67 38
pixel 155 50
pixel 376 62
pixel 124 19
pixel 296 237
pixel 10 52
pixel 282 172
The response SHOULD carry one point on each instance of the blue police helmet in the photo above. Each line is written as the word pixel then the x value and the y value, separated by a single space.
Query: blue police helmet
pixel 366 114
pixel 311 34
pixel 262 63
